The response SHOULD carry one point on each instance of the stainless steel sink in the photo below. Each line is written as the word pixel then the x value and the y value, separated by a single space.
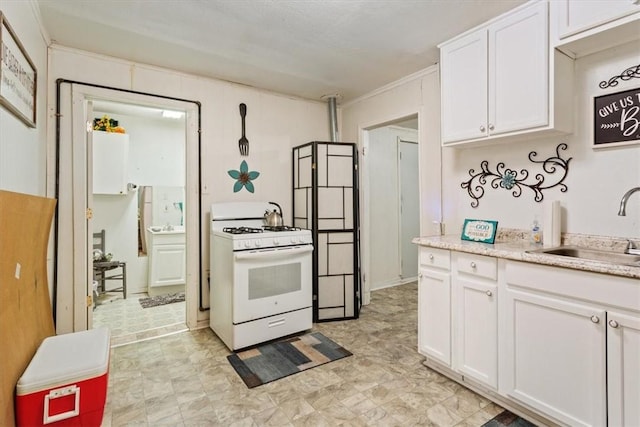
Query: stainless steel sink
pixel 592 254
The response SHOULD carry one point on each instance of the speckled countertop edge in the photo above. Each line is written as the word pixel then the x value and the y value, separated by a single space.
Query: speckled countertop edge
pixel 516 250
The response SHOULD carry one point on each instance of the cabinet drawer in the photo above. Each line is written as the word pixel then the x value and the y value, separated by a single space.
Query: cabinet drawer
pixel 477 265
pixel 432 257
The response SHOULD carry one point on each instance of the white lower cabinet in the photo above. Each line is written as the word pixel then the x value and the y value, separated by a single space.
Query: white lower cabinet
pixel 476 317
pixel 167 259
pixel 623 369
pixel 434 305
pixel 555 359
pixel 571 344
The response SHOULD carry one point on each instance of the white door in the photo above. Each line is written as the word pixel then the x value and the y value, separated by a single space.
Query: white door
pixel 408 172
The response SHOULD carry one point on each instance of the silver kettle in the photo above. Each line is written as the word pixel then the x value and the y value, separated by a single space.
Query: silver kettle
pixel 274 218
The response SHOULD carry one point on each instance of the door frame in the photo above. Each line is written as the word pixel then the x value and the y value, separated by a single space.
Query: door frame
pixel 365 194
pixel 72 274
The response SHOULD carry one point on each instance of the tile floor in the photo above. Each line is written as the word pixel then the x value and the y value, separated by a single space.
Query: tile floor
pixel 184 379
pixel 129 322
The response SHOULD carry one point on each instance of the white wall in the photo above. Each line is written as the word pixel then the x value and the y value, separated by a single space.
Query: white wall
pixel 23 161
pixel 384 202
pixel 275 124
pixel 23 150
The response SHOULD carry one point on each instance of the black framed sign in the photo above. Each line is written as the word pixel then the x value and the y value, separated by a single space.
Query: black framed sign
pixel 18 76
pixel 616 119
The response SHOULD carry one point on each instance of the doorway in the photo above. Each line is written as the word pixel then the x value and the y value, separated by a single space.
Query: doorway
pixel 74 225
pixel 150 197
pixel 392 202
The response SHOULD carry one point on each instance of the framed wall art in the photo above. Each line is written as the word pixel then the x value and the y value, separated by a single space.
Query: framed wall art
pixel 18 76
pixel 616 119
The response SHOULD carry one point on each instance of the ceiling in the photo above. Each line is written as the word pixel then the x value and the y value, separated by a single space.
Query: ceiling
pixel 305 48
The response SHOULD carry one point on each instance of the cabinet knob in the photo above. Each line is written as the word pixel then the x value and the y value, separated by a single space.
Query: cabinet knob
pixel 431 257
pixel 420 275
pixel 482 129
pixel 595 319
pixel 489 293
pixel 613 323
pixel 491 127
pixel 473 265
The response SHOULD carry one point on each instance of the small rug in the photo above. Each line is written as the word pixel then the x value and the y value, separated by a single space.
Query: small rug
pixel 507 419
pixel 279 359
pixel 161 300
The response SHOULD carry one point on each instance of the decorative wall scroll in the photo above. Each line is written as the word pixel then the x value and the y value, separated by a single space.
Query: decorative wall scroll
pixel 616 119
pixel 509 179
pixel 18 76
pixel 628 74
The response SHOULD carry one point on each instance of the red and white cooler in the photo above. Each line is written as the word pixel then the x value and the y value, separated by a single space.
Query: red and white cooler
pixel 65 383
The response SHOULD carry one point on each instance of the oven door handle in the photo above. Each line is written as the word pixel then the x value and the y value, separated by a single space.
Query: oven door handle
pixel 275 253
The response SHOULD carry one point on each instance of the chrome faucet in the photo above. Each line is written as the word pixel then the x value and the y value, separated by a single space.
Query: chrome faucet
pixel 632 247
pixel 623 202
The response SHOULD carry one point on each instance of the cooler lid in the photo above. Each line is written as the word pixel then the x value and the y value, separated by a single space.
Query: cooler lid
pixel 68 358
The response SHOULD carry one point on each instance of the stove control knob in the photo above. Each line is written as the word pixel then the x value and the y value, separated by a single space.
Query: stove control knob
pixel 247 244
pixel 258 243
pixel 276 242
pixel 294 240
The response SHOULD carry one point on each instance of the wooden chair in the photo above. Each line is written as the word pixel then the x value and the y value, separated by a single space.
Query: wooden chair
pixel 100 268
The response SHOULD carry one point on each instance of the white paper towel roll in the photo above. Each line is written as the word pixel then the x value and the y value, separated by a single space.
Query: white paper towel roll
pixel 552 224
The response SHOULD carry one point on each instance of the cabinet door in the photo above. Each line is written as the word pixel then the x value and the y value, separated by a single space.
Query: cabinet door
pixel 575 16
pixel 168 265
pixel 555 357
pixel 463 76
pixel 477 330
pixel 623 369
pixel 110 162
pixel 518 71
pixel 434 315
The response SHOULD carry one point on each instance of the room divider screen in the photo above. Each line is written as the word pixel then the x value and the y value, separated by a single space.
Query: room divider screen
pixel 325 200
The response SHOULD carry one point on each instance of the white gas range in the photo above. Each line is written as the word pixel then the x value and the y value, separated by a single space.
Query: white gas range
pixel 261 277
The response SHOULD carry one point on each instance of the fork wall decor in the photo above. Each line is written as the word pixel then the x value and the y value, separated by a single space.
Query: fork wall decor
pixel 509 179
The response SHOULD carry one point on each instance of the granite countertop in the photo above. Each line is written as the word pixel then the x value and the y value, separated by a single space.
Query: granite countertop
pixel 516 250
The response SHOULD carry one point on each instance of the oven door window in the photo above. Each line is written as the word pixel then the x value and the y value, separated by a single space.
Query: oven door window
pixel 271 281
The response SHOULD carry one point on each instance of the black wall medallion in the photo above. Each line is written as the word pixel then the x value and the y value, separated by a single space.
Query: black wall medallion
pixel 628 74
pixel 509 179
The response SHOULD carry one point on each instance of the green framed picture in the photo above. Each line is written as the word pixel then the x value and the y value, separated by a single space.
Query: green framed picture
pixel 479 230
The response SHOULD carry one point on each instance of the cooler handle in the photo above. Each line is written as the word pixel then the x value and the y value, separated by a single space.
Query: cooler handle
pixel 61 392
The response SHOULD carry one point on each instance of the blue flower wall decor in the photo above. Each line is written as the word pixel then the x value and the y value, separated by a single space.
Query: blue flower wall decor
pixel 243 177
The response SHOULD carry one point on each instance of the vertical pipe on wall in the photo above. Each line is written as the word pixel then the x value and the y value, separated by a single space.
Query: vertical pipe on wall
pixel 333 116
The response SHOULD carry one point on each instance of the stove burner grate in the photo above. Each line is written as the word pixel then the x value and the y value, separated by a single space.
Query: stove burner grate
pixel 241 230
pixel 280 228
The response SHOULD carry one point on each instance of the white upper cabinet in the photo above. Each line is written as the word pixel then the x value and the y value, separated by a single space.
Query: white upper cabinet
pixel 464 81
pixel 110 162
pixel 519 70
pixel 583 27
pixel 499 80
